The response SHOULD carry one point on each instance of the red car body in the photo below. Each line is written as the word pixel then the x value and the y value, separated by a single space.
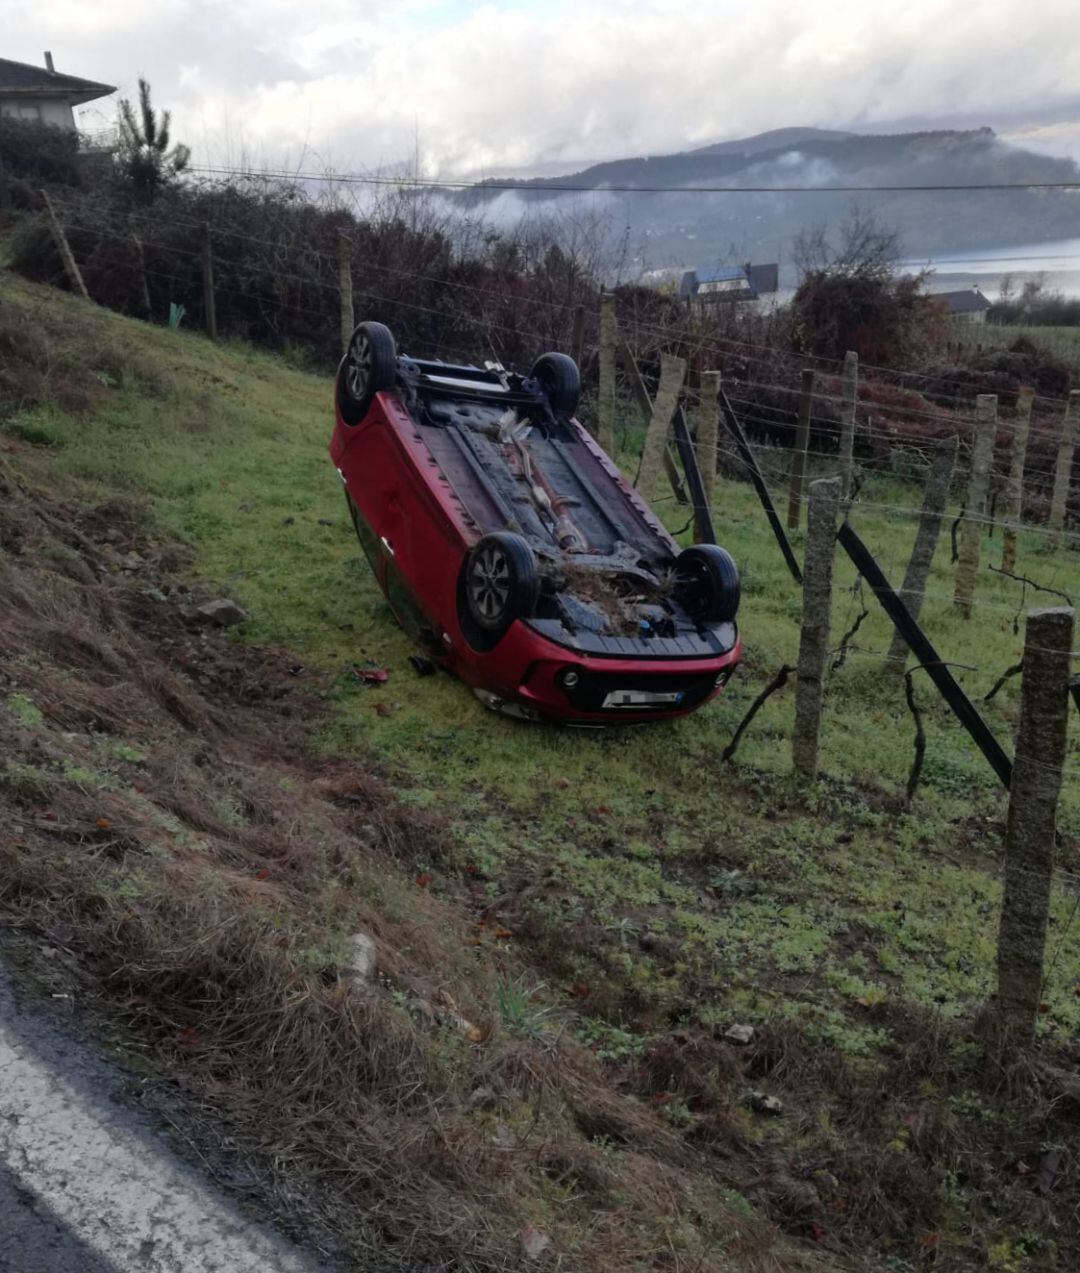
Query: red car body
pixel 421 498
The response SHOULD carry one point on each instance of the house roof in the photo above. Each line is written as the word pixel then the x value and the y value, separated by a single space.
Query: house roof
pixel 20 79
pixel 967 301
pixel 755 279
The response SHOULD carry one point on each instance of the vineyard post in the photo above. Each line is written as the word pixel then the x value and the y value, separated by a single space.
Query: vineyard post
pixel 708 426
pixel 971 529
pixel 577 337
pixel 605 405
pixel 348 321
pixel 797 483
pixel 816 616
pixel 935 497
pixel 1041 737
pixel 209 299
pixel 1063 472
pixel 672 374
pixel 847 420
pixel 1014 489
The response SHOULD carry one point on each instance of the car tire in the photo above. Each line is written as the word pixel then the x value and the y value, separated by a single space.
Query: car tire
pixel 501 582
pixel 707 583
pixel 370 364
pixel 561 381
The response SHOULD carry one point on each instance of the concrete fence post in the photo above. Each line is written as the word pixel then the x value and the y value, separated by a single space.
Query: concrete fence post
pixel 1070 429
pixel 849 395
pixel 708 429
pixel 797 482
pixel 935 497
pixel 605 403
pixel 822 508
pixel 348 319
pixel 1014 487
pixel 672 374
pixel 1033 797
pixel 971 529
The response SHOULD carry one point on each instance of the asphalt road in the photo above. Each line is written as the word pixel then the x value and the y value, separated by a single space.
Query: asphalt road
pixel 88 1184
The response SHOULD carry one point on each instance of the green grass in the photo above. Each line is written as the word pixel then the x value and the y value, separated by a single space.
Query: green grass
pixel 1064 342
pixel 760 898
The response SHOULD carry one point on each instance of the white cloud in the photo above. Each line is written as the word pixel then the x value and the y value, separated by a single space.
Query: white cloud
pixel 502 85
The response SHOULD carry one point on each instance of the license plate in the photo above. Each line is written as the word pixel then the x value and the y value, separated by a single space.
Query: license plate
pixel 642 698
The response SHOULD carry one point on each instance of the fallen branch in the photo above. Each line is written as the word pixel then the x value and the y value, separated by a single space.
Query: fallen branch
pixel 778 682
pixel 1054 592
pixel 1009 671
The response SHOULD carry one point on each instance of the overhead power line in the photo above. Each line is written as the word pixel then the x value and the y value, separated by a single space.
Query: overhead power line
pixel 525 187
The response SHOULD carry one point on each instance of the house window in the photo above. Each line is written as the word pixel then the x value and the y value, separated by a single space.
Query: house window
pixel 21 110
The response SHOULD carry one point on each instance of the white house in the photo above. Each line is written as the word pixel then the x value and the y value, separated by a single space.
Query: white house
pixel 42 93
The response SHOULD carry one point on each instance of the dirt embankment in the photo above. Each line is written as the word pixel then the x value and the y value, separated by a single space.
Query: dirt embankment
pixel 198 881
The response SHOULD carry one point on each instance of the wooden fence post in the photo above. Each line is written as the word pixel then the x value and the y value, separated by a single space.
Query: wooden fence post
pixel 797 483
pixel 348 318
pixel 605 403
pixel 672 374
pixel 209 299
pixel 971 529
pixel 1014 487
pixel 850 394
pixel 708 428
pixel 577 337
pixel 816 617
pixel 935 497
pixel 1063 472
pixel 64 248
pixel 1033 796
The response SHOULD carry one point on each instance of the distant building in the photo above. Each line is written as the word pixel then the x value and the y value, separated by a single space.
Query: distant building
pixel 729 283
pixel 968 305
pixel 41 93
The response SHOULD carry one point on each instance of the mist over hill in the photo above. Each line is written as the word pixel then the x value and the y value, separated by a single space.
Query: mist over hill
pixel 679 229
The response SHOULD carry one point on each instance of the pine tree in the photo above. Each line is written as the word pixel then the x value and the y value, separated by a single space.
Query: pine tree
pixel 145 161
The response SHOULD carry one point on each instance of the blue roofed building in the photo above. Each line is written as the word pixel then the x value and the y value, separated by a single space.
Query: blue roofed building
pixel 728 283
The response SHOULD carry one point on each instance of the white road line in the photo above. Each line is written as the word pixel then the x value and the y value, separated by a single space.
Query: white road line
pixel 142 1210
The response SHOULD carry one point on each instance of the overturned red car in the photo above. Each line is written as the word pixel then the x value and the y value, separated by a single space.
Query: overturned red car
pixel 513 551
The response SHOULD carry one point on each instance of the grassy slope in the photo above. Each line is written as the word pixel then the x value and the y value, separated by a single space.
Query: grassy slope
pixel 653 884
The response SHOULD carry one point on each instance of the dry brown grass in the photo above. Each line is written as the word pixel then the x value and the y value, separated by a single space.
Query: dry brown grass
pixel 193 856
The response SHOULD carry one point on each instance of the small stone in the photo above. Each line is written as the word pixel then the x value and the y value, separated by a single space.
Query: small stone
pixel 220 614
pixel 533 1242
pixel 503 1137
pixel 482 1098
pixel 760 1103
pixel 361 958
pixel 739 1033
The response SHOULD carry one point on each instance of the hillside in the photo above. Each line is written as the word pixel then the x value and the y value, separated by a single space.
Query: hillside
pixel 567 925
pixel 688 229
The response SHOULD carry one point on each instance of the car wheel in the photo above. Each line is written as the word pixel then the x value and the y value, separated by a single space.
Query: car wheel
pixel 370 364
pixel 502 581
pixel 707 583
pixel 561 381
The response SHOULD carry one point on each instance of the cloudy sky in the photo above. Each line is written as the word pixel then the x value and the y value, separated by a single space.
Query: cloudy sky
pixel 500 87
